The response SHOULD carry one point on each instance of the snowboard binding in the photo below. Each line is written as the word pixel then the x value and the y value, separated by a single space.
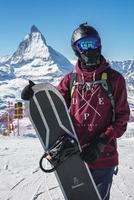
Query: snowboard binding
pixel 62 150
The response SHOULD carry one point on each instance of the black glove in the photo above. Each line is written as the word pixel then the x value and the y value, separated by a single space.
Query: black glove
pixel 27 92
pixel 93 150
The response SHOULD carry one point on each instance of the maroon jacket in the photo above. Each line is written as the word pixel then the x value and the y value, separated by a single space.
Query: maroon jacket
pixel 91 110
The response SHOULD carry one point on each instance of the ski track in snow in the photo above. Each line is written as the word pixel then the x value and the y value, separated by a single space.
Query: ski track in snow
pixel 21 177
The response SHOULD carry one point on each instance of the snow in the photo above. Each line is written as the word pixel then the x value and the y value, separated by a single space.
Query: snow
pixel 123 186
pixel 21 178
pixel 6 72
pixel 4 59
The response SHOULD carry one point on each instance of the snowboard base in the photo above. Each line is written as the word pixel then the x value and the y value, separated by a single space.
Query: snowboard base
pixel 49 115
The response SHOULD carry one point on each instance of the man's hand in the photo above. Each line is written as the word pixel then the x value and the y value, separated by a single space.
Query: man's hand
pixel 27 92
pixel 93 150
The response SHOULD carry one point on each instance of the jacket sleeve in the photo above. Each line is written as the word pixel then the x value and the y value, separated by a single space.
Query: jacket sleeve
pixel 122 111
pixel 63 88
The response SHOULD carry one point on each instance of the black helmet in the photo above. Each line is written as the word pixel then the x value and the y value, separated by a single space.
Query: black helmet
pixel 84 30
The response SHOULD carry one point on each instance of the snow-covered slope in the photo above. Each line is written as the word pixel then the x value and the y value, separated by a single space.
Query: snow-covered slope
pixel 21 178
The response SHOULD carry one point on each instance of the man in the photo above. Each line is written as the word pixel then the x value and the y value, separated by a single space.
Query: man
pixel 98 106
pixel 96 97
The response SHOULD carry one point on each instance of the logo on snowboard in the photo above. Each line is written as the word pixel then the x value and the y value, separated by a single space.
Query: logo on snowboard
pixel 76 183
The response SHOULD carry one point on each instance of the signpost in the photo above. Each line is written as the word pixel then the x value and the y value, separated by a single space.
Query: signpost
pixel 18 113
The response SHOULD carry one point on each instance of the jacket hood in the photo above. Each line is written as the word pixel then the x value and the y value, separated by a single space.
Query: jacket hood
pixel 96 72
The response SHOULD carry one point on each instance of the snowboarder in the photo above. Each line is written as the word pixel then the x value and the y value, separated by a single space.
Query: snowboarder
pixel 98 105
pixel 96 97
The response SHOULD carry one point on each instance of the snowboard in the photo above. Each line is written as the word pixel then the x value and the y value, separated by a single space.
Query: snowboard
pixel 50 117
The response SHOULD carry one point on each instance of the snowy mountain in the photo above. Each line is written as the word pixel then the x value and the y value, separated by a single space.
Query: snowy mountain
pixel 6 72
pixel 127 69
pixel 4 59
pixel 124 67
pixel 34 60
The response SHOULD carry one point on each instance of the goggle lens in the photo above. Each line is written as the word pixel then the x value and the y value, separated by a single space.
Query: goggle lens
pixel 85 44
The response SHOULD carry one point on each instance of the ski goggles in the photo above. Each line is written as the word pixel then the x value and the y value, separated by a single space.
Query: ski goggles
pixel 87 43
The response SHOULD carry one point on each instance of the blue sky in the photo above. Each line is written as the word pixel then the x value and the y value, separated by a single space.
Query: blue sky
pixel 56 19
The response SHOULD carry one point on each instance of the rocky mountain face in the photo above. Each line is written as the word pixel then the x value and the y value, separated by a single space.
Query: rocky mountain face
pixel 127 69
pixel 34 60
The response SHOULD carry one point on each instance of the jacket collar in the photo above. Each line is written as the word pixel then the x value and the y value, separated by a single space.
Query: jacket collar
pixel 98 70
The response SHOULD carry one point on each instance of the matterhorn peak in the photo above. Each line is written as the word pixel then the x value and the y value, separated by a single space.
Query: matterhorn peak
pixel 34 29
pixel 34 58
pixel 33 46
pixel 35 33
